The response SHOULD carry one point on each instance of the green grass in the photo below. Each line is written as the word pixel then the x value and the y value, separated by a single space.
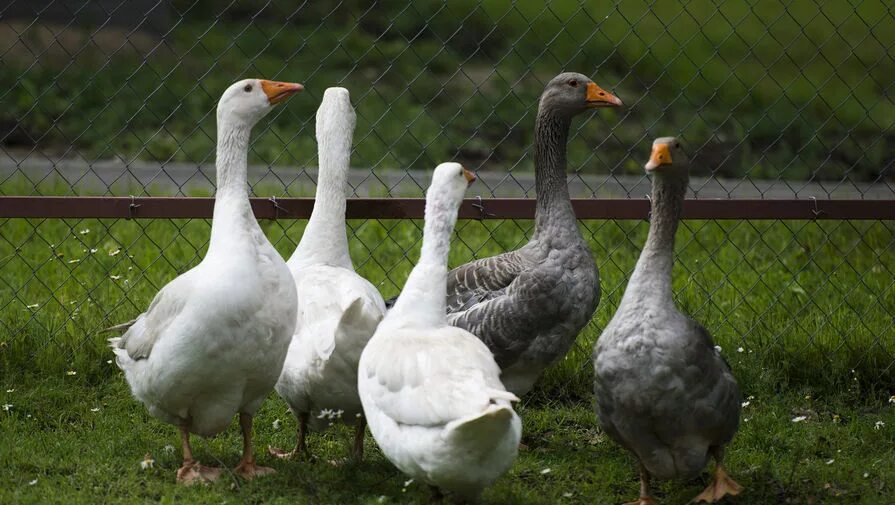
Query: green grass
pixel 53 439
pixel 802 87
pixel 802 310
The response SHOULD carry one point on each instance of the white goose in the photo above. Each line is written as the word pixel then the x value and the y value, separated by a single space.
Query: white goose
pixel 338 310
pixel 213 340
pixel 431 392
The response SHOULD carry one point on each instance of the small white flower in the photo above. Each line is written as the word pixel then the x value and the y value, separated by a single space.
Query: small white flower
pixel 878 425
pixel 408 482
pixel 746 420
pixel 32 306
pixel 567 495
pixel 546 471
pixel 740 349
pixel 115 252
pixel 32 482
pixel 10 390
pixel 381 499
pixel 93 251
pixel 892 399
pixel 276 424
pixel 169 449
pixel 71 372
pixel 114 277
pixel 866 475
pixel 85 231
pixel 799 419
pixel 745 404
pixel 358 415
pixel 147 462
pixel 108 362
pixel 94 409
pixel 7 406
pixel 830 461
pixel 76 260
pixel 718 348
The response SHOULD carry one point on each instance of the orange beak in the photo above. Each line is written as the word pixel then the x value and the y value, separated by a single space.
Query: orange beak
pixel 470 177
pixel 597 97
pixel 278 91
pixel 660 156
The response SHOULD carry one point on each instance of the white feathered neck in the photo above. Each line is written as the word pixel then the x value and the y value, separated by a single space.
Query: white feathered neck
pixel 422 301
pixel 232 211
pixel 325 240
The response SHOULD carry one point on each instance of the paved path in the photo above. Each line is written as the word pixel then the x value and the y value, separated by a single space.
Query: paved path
pixel 174 179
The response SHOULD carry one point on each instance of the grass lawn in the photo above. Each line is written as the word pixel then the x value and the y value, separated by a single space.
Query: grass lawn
pixel 803 311
pixel 71 439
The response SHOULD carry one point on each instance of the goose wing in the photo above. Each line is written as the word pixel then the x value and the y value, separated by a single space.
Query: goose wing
pixel 531 302
pixel 482 280
pixel 427 380
pixel 142 335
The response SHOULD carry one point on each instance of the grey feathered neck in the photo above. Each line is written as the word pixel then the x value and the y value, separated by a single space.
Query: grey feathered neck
pixel 554 208
pixel 653 270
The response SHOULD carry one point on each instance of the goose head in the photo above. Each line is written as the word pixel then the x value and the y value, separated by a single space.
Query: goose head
pixel 249 100
pixel 335 113
pixel 667 158
pixel 449 183
pixel 574 93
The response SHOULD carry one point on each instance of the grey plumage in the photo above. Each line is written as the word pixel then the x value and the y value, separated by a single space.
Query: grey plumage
pixel 529 305
pixel 663 391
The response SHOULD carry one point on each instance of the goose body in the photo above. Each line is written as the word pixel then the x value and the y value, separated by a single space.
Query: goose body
pixel 338 310
pixel 529 305
pixel 663 391
pixel 212 342
pixel 431 392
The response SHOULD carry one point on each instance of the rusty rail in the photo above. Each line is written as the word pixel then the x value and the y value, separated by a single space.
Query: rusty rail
pixel 412 208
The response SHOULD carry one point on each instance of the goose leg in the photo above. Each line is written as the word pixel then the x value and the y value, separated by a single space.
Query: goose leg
pixel 645 498
pixel 247 468
pixel 721 483
pixel 357 449
pixel 192 472
pixel 301 446
pixel 437 496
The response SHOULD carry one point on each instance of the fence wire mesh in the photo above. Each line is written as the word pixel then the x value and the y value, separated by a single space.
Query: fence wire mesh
pixel 772 99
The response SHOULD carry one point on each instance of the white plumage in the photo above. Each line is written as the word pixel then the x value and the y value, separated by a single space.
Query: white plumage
pixel 338 310
pixel 213 340
pixel 431 392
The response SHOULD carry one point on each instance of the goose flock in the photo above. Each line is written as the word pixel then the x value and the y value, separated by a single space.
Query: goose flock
pixel 434 373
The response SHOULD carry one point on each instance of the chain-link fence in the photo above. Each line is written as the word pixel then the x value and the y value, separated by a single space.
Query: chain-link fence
pixel 774 100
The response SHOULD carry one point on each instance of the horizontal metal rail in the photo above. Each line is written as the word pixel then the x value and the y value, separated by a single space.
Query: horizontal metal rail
pixel 412 208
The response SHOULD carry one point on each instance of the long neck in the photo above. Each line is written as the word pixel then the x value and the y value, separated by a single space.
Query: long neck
pixel 325 239
pixel 231 205
pixel 652 275
pixel 423 298
pixel 554 208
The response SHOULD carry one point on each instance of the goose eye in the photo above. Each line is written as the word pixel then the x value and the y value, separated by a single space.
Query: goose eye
pixel 677 145
pixel 248 88
pixel 573 83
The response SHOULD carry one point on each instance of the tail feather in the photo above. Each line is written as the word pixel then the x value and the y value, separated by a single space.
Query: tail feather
pixel 119 327
pixel 485 429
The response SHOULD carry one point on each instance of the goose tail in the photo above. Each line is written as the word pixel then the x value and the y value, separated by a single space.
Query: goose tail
pixel 488 428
